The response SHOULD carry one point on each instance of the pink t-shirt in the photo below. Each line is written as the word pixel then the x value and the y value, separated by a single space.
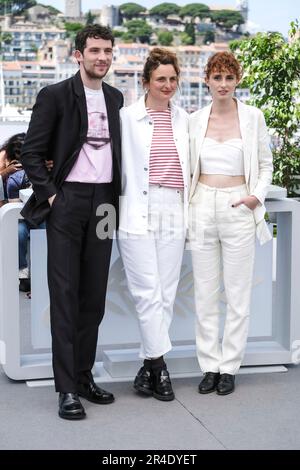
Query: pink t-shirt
pixel 94 162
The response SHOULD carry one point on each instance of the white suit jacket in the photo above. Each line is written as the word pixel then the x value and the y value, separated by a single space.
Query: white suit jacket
pixel 258 164
pixel 136 132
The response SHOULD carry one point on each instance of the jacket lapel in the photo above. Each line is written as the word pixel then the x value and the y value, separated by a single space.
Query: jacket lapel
pixel 81 102
pixel 245 125
pixel 200 132
pixel 112 112
pixel 204 118
pixel 113 117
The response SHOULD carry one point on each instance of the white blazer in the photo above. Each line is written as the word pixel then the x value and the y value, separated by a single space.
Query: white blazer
pixel 258 159
pixel 136 131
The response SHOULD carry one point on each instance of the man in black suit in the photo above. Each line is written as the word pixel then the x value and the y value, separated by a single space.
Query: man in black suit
pixel 75 123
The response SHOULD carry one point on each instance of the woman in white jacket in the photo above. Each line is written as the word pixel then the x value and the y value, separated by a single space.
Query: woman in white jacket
pixel 231 164
pixel 153 212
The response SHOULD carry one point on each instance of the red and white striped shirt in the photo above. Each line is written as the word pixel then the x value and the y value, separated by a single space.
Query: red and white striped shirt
pixel 165 166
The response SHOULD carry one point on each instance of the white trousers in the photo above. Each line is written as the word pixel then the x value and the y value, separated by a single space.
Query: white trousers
pixel 152 264
pixel 218 231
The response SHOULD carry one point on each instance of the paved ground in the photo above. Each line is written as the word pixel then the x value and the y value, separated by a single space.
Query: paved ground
pixel 263 413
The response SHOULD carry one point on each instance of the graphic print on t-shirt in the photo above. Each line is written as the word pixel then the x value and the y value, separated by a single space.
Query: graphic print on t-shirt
pixel 98 133
pixel 94 162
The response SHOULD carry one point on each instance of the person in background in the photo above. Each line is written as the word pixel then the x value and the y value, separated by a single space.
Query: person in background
pixel 231 164
pixel 153 213
pixel 6 170
pixel 15 182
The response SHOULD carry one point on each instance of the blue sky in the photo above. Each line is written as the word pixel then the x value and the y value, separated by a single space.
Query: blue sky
pixel 269 15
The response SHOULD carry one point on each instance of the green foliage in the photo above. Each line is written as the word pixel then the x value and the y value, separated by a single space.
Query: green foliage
pixel 196 10
pixel 165 9
pixel 186 39
pixel 272 73
pixel 127 37
pixel 117 33
pixel 165 38
pixel 138 30
pixel 5 6
pixel 189 29
pixel 209 37
pixel 5 38
pixel 72 29
pixel 15 7
pixel 33 47
pixel 89 18
pixel 227 18
pixel 52 10
pixel 131 10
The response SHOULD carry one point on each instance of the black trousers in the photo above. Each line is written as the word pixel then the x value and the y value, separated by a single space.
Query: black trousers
pixel 78 267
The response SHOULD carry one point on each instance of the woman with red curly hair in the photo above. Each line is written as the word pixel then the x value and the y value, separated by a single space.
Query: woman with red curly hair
pixel 231 165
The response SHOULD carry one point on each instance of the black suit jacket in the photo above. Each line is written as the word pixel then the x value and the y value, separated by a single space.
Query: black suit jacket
pixel 57 131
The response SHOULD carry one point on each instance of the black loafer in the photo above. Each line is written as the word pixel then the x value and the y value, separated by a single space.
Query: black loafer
pixel 91 392
pixel 209 383
pixel 226 384
pixel 143 381
pixel 70 406
pixel 162 387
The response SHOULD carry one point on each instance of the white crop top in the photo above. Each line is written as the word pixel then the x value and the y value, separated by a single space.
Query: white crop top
pixel 222 158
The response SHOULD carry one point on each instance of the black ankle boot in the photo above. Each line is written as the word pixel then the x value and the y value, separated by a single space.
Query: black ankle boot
pixel 143 381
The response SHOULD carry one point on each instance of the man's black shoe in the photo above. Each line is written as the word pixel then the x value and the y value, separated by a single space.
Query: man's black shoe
pixel 162 387
pixel 226 384
pixel 95 394
pixel 209 383
pixel 143 381
pixel 70 406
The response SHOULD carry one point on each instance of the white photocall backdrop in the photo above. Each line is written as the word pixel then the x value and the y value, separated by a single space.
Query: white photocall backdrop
pixel 120 326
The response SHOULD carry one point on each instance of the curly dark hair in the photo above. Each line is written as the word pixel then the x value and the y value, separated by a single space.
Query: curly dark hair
pixel 13 146
pixel 159 56
pixel 95 31
pixel 221 62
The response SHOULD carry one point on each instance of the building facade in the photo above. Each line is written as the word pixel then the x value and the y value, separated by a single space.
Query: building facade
pixel 26 38
pixel 73 8
pixel 243 8
pixel 110 16
pixel 23 79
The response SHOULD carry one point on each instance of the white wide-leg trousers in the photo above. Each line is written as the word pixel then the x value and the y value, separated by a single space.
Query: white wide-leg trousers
pixel 152 264
pixel 220 233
